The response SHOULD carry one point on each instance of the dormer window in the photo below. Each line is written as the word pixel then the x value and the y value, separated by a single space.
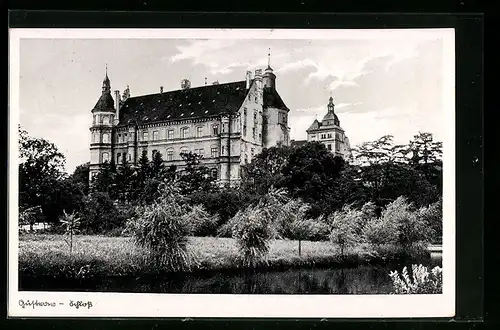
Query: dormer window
pixel 105 120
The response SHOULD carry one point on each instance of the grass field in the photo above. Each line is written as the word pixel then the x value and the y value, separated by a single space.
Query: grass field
pixel 41 254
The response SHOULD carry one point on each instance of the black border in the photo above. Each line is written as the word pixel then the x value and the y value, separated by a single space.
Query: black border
pixel 469 132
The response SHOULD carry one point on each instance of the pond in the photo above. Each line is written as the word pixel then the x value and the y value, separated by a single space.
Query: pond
pixel 365 279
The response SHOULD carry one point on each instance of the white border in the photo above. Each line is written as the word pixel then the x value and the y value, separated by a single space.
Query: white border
pixel 241 306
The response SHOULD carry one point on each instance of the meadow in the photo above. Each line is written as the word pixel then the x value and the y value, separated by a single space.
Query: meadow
pixel 49 255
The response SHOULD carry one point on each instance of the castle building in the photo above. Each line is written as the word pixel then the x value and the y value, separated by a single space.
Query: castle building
pixel 329 132
pixel 228 124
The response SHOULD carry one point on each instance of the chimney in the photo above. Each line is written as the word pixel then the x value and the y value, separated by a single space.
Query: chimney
pixel 248 78
pixel 161 89
pixel 117 107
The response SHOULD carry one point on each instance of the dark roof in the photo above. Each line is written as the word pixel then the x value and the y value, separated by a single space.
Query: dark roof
pixel 296 144
pixel 315 125
pixel 105 103
pixel 194 102
pixel 273 99
pixel 331 116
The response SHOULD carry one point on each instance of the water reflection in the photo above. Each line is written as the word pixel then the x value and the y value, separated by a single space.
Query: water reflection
pixel 359 280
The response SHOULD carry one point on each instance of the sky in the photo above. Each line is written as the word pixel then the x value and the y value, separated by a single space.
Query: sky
pixel 388 85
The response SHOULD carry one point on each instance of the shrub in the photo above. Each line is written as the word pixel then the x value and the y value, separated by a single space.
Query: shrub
pixel 380 232
pixel 162 230
pixel 253 236
pixel 420 282
pixel 200 222
pixel 411 229
pixel 432 216
pixel 344 225
pixel 101 214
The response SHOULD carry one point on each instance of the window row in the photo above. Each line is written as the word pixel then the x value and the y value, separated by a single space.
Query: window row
pixel 337 147
pixel 106 120
pixel 184 133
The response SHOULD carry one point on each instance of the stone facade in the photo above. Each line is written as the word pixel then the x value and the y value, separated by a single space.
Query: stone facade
pixel 226 123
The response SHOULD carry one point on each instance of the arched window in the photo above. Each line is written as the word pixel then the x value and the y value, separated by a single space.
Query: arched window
pixel 184 150
pixel 214 173
pixel 118 158
pixel 184 132
pixel 105 157
pixel 105 138
pixel 105 120
pixel 170 155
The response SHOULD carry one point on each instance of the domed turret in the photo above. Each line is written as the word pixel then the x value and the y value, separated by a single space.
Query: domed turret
pixel 269 78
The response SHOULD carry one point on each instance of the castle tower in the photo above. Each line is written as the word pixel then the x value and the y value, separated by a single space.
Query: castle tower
pixel 275 115
pixel 269 78
pixel 103 117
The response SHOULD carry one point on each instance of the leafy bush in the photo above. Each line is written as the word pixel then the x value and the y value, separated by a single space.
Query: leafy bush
pixel 200 222
pixel 421 280
pixel 162 230
pixel 344 226
pixel 101 214
pixel 411 229
pixel 432 215
pixel 380 231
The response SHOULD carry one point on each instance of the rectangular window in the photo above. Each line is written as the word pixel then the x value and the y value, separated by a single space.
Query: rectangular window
pixel 254 133
pixel 129 157
pixel 329 135
pixel 144 136
pixel 214 152
pixel 170 155
pixel 252 151
pixel 337 147
pixel 313 136
pixel 119 138
pixel 199 131
pixel 215 129
pixel 170 134
pixel 155 136
pixel 126 137
pixel 329 147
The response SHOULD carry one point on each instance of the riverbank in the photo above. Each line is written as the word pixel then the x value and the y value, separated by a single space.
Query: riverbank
pixel 42 255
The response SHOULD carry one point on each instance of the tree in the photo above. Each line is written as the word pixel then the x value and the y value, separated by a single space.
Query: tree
pixel 344 227
pixel 265 170
pixel 311 172
pixel 105 180
pixel 41 168
pixel 385 174
pixel 195 177
pixel 101 215
pixel 81 176
pixel 125 182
